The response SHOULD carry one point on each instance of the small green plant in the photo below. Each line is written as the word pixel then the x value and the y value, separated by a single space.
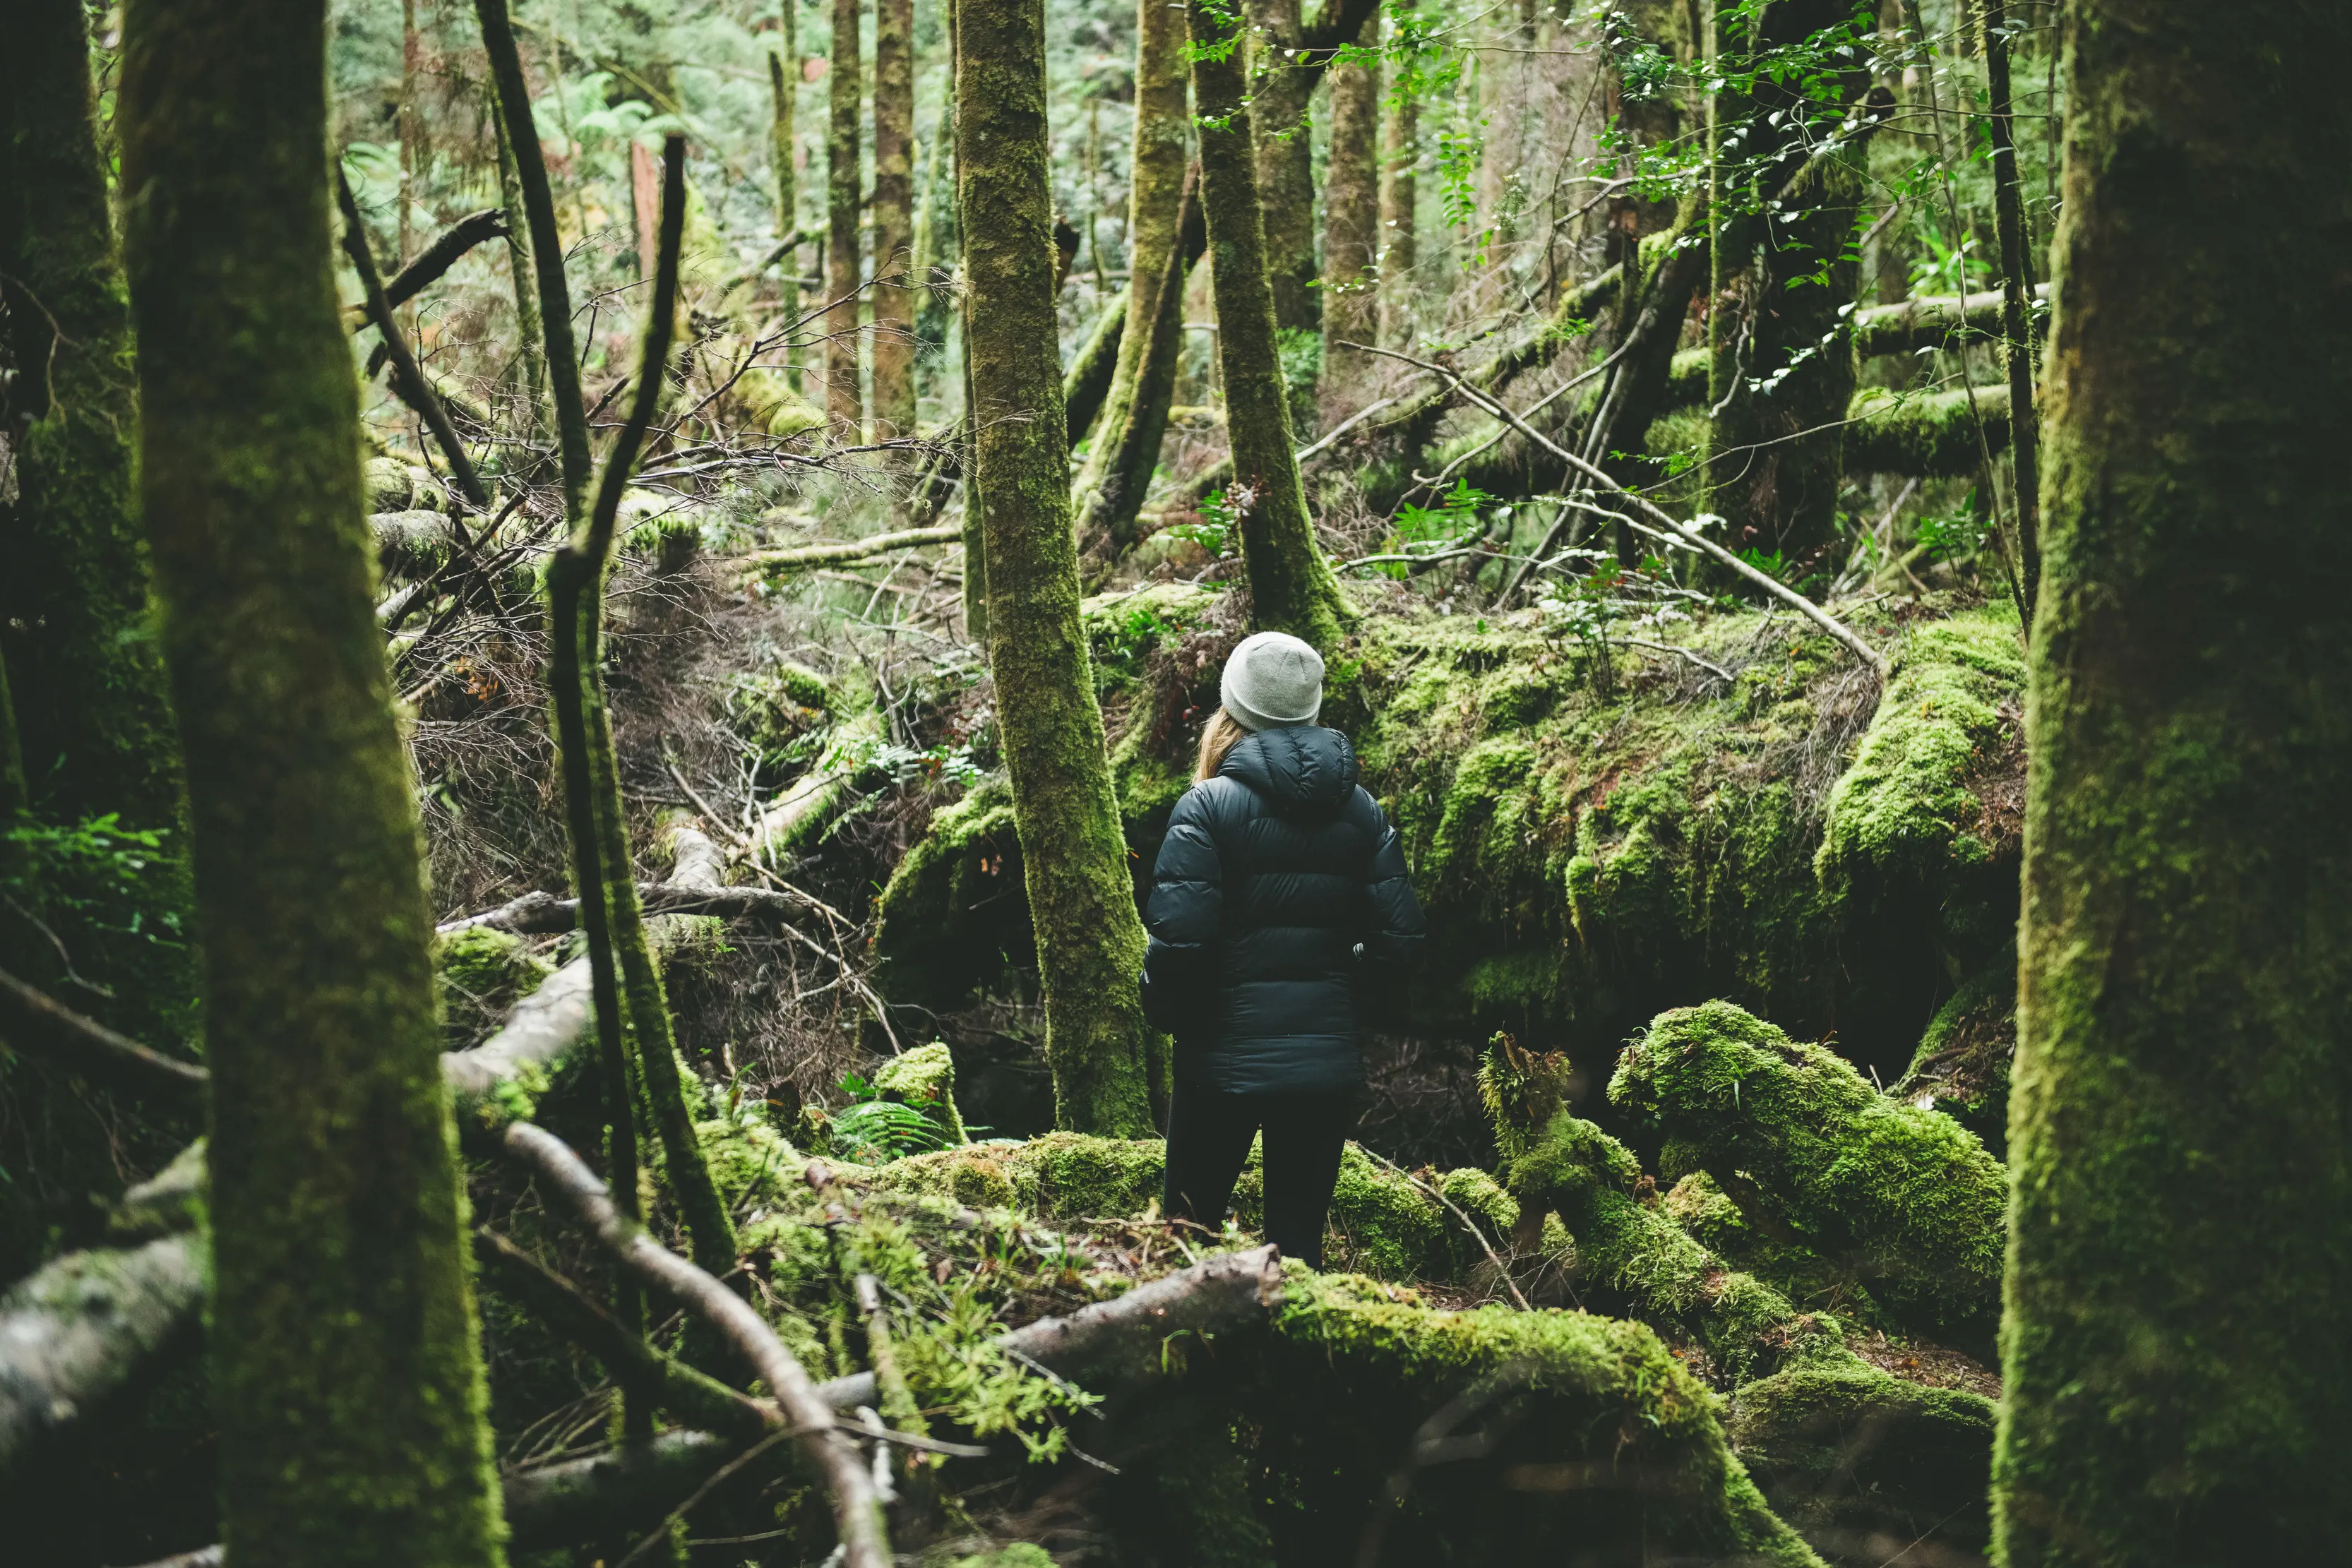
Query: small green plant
pixel 1215 530
pixel 870 1129
pixel 1956 535
pixel 95 872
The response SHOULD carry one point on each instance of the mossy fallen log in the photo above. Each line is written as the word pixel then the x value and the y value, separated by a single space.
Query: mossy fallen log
pixel 1932 321
pixel 1906 1198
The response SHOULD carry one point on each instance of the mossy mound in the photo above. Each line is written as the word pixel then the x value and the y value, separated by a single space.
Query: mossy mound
pixel 1906 1197
pixel 925 1078
pixel 1598 832
pixel 1588 1430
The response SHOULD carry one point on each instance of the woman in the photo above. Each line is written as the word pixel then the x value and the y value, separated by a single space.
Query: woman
pixel 1280 889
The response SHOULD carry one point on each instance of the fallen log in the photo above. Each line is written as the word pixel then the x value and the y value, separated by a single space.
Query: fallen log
pixel 78 1332
pixel 1931 321
pixel 848 552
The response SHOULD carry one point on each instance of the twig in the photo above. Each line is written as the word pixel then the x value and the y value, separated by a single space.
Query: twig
pixel 414 388
pixel 33 1021
pixel 1467 1224
pixel 1717 671
pixel 856 1512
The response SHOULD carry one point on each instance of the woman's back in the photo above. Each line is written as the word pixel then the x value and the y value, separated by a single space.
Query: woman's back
pixel 1279 880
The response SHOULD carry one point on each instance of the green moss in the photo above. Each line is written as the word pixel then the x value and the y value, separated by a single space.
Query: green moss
pixel 1595 1404
pixel 1020 1554
pixel 942 919
pixel 480 974
pixel 1904 815
pixel 1856 1452
pixel 925 1077
pixel 1962 1065
pixel 1907 1197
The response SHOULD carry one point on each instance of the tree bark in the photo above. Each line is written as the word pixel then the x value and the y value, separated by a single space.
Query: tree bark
pixel 346 1374
pixel 1155 199
pixel 1281 92
pixel 88 679
pixel 1400 252
pixel 1352 203
pixel 783 88
pixel 2016 307
pixel 844 402
pixel 894 219
pixel 2178 1383
pixel 1081 898
pixel 1129 449
pixel 603 865
pixel 1291 585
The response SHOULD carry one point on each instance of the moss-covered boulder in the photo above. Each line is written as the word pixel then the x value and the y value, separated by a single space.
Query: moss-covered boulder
pixel 1812 1153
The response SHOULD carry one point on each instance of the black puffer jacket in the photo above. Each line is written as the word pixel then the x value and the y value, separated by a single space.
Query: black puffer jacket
pixel 1279 889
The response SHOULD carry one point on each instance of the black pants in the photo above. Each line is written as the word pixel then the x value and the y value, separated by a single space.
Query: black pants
pixel 1209 1142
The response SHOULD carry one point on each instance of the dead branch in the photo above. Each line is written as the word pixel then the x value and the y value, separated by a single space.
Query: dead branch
pixel 542 913
pixel 408 376
pixel 856 1511
pixel 437 258
pixel 37 1024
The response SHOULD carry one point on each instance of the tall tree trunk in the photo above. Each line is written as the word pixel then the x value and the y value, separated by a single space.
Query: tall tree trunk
pixel 1154 197
pixel 1399 234
pixel 1081 898
pixel 2016 305
pixel 1279 99
pixel 1785 369
pixel 843 401
pixel 1129 448
pixel 783 88
pixel 346 1376
pixel 89 684
pixel 894 218
pixel 1351 205
pixel 530 348
pixel 1292 587
pixel 2178 1383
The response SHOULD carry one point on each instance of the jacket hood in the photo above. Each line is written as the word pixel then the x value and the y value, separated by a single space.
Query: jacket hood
pixel 1303 770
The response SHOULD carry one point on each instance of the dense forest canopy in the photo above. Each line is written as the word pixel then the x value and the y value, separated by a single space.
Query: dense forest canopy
pixel 610 602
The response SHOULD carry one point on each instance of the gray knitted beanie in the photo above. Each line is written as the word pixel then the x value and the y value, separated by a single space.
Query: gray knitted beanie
pixel 1273 680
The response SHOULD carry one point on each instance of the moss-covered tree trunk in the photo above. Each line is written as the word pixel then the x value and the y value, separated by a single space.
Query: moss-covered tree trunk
pixel 1279 99
pixel 1351 205
pixel 1292 587
pixel 89 687
pixel 2179 1382
pixel 1400 251
pixel 1154 197
pixel 1081 899
pixel 894 218
pixel 1129 448
pixel 783 92
pixel 345 1373
pixel 844 403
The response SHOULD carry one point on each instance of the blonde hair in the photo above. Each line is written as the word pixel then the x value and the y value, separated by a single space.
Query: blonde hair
pixel 1219 736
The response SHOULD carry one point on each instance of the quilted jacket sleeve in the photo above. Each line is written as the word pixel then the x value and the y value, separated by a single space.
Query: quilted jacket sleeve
pixel 1393 923
pixel 1183 917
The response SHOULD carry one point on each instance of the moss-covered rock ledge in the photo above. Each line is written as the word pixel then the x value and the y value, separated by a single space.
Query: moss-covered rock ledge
pixel 1599 834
